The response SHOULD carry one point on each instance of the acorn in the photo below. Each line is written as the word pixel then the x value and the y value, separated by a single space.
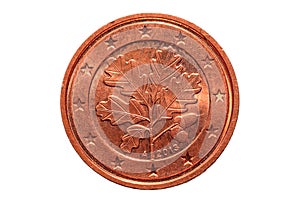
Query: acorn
pixel 182 136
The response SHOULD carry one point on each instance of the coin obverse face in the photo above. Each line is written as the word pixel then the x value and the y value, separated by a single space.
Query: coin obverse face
pixel 149 101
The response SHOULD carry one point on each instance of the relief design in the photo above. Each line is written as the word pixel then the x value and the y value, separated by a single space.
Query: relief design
pixel 147 99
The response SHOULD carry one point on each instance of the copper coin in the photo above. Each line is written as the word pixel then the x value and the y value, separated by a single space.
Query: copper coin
pixel 149 101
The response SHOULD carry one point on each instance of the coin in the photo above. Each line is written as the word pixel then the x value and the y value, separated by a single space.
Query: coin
pixel 149 101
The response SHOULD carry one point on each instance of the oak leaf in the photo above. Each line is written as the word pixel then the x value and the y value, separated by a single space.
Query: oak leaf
pixel 132 138
pixel 116 111
pixel 114 75
pixel 187 91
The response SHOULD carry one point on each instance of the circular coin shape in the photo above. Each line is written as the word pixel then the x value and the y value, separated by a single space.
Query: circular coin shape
pixel 149 101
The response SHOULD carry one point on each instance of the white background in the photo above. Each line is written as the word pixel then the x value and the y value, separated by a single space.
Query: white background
pixel 37 41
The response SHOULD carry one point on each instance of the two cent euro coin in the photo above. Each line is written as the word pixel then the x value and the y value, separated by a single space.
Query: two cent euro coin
pixel 149 101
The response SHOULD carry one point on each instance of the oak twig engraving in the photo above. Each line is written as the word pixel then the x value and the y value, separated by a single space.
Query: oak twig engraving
pixel 141 101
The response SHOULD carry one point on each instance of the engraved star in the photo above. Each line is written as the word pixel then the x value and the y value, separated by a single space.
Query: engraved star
pixel 90 139
pixel 117 162
pixel 180 38
pixel 110 42
pixel 187 159
pixel 145 31
pixel 211 131
pixel 86 69
pixel 219 96
pixel 208 61
pixel 153 171
pixel 79 104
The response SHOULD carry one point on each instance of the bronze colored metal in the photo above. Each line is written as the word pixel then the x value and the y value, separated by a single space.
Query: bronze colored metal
pixel 149 101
